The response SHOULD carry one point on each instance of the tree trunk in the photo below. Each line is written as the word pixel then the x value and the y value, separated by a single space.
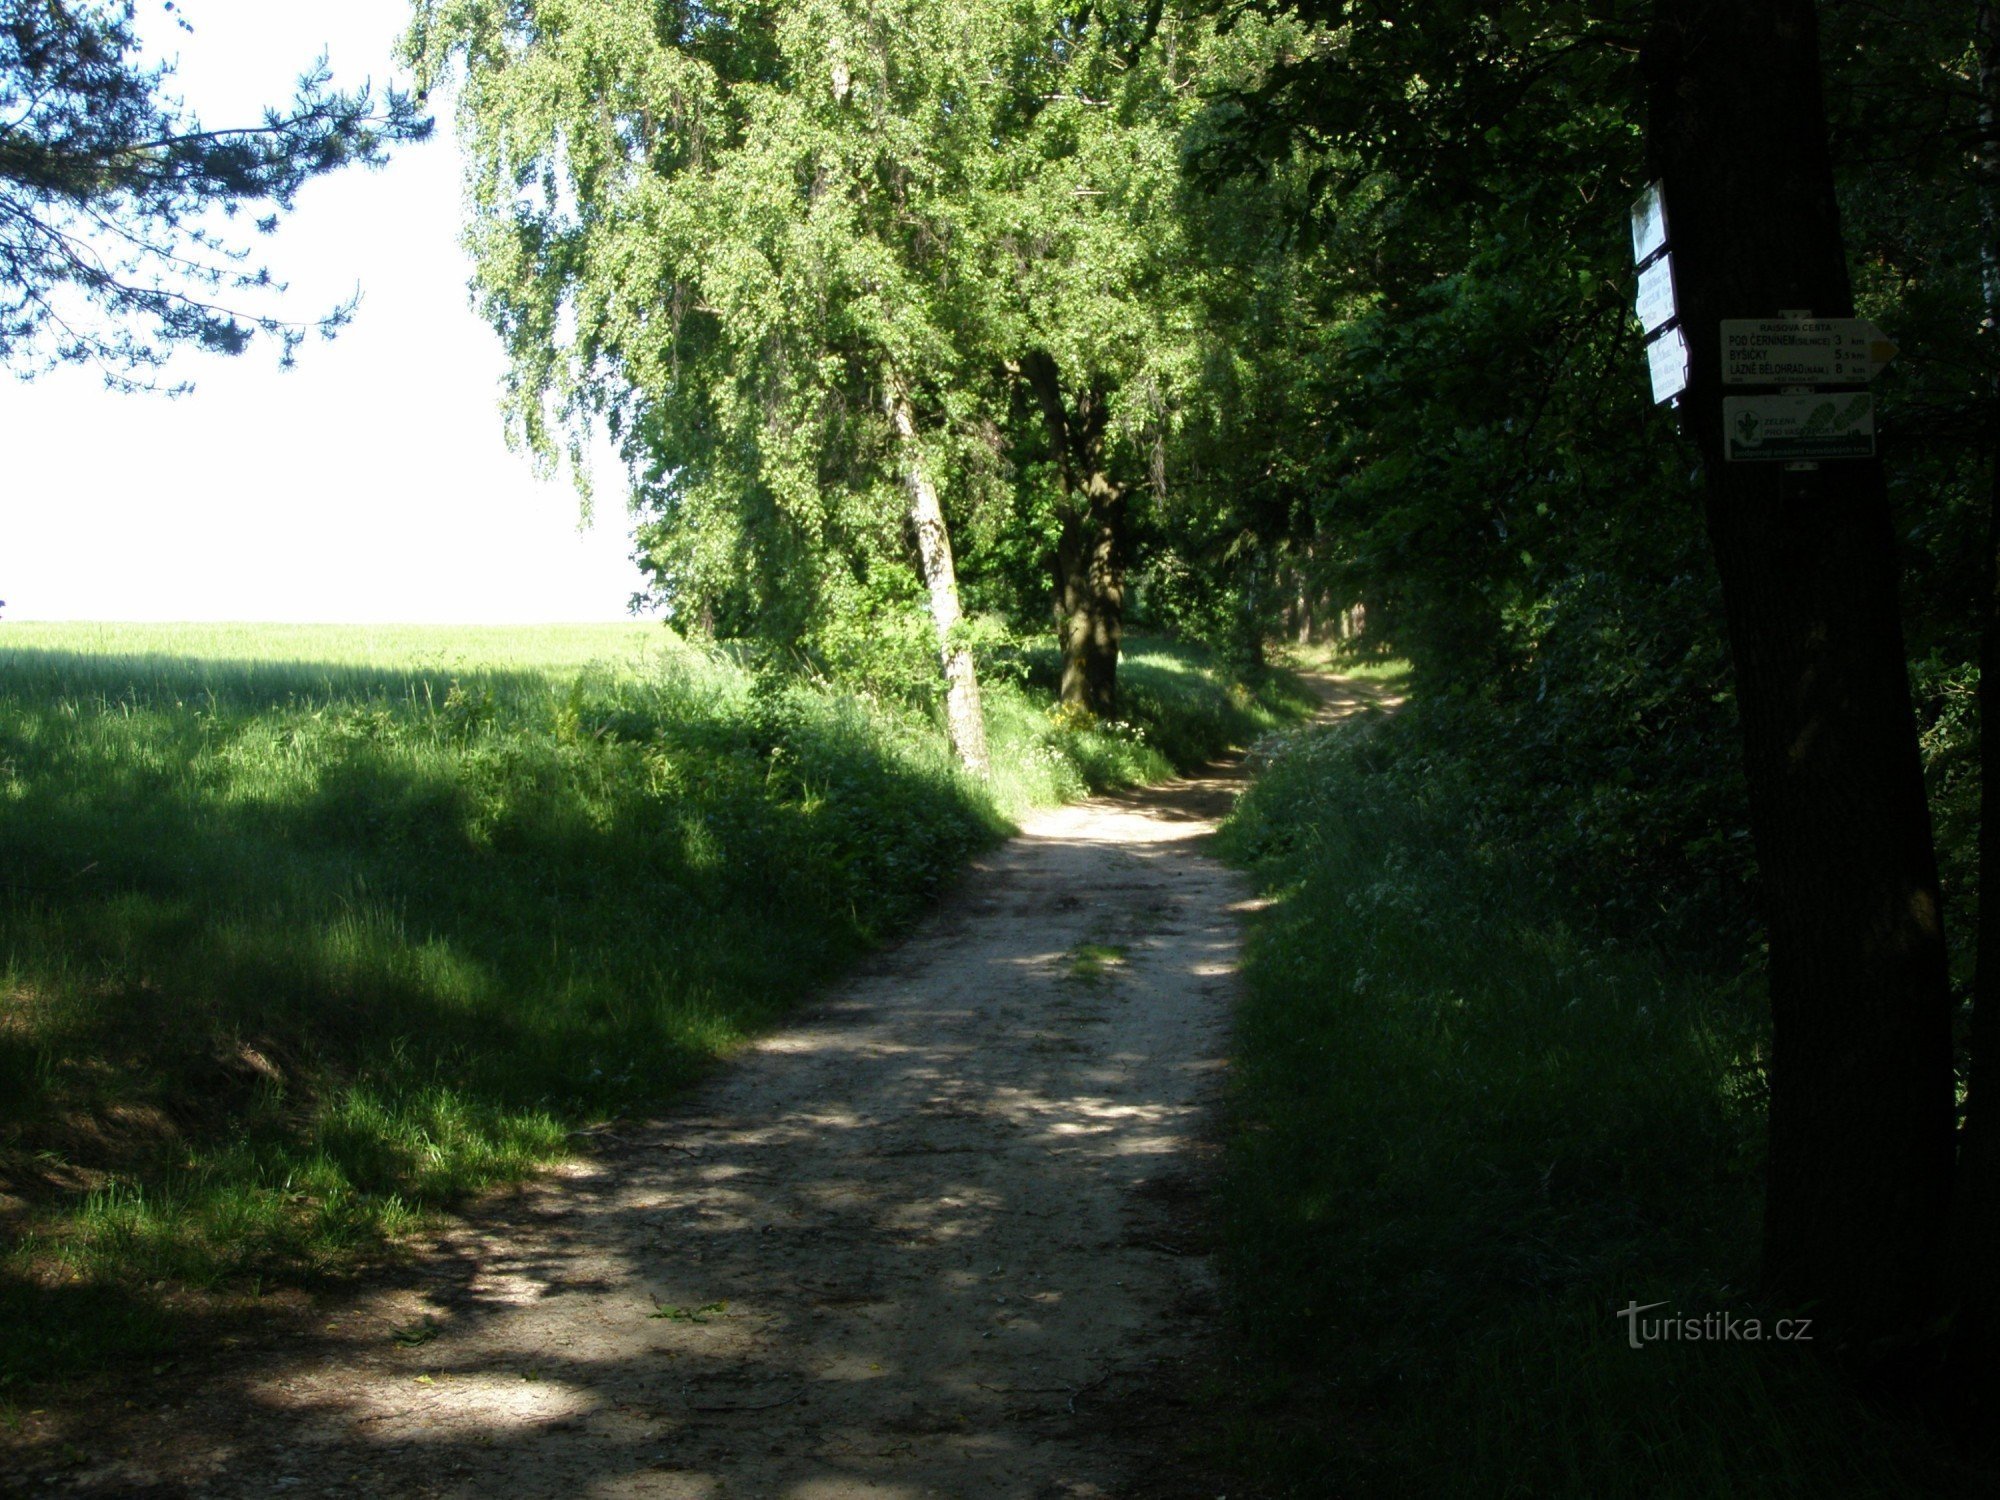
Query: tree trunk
pixel 1089 561
pixel 1975 1263
pixel 1254 599
pixel 1307 597
pixel 1090 600
pixel 1975 1218
pixel 965 717
pixel 1860 1071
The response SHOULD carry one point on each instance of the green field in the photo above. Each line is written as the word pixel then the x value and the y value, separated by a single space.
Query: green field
pixel 415 652
pixel 307 931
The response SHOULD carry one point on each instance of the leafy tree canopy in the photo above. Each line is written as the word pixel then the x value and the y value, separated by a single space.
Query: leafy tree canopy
pixel 730 231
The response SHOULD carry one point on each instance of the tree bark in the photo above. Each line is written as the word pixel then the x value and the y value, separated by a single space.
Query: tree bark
pixel 1975 1260
pixel 1089 560
pixel 965 717
pixel 1254 590
pixel 1305 619
pixel 1089 608
pixel 1860 1071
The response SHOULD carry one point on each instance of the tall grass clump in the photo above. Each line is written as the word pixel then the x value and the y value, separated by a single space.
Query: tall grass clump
pixel 1469 1125
pixel 306 932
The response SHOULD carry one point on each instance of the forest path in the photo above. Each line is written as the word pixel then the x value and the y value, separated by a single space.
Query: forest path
pixel 938 1236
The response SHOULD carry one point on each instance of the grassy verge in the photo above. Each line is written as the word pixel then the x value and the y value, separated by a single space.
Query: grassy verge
pixel 306 932
pixel 1467 1131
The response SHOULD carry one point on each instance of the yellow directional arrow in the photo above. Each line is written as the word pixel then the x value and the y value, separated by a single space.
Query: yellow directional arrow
pixel 1881 350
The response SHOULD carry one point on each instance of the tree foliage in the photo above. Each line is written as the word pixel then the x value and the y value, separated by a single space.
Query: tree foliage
pixel 730 234
pixel 111 252
pixel 1483 465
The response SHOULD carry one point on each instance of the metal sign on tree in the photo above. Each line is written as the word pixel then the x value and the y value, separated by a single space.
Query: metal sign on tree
pixel 1657 305
pixel 1803 351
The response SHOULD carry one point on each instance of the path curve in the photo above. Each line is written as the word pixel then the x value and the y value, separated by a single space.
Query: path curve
pixel 938 1236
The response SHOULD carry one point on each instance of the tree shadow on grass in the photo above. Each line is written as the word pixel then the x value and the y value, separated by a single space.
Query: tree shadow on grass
pixel 925 1241
pixel 345 954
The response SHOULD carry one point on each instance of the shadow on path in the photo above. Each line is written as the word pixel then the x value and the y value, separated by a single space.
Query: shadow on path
pixel 931 1239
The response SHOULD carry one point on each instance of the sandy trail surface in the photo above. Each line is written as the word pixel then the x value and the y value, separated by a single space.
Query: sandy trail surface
pixel 939 1236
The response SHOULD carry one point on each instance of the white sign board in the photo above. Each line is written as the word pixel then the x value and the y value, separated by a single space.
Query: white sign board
pixel 1667 360
pixel 1655 304
pixel 1802 351
pixel 1794 429
pixel 1649 225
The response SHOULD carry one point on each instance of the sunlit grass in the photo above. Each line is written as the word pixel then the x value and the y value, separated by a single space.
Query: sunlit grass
pixel 417 651
pixel 1386 671
pixel 306 933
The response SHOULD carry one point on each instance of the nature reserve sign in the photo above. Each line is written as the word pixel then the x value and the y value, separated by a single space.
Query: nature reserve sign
pixel 1799 428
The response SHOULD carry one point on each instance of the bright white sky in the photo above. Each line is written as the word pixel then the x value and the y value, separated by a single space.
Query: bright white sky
pixel 371 482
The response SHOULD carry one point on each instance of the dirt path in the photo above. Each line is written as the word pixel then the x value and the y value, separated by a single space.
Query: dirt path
pixel 936 1238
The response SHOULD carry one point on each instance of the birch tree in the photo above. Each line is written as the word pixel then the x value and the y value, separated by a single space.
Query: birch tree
pixel 702 227
pixel 804 261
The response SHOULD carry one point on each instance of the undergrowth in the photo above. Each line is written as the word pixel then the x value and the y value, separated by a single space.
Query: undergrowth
pixel 306 933
pixel 1470 1124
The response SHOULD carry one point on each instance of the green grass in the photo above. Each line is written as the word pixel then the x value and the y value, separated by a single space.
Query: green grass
pixel 1466 1130
pixel 307 932
pixel 414 652
pixel 1093 963
pixel 1390 672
